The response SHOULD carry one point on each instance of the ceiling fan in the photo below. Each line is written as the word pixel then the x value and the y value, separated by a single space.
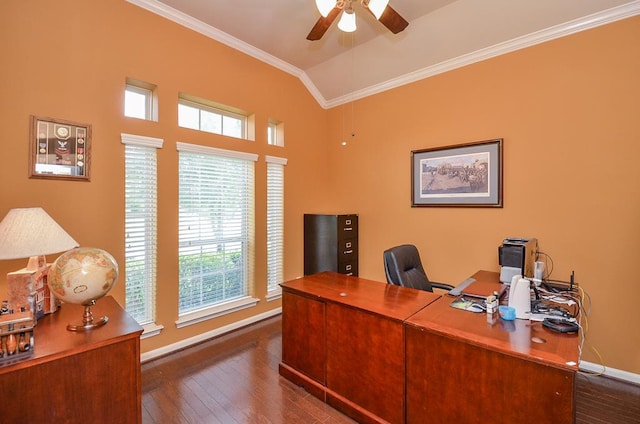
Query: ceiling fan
pixel 330 9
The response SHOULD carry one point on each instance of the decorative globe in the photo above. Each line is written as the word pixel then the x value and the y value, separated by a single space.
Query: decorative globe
pixel 82 275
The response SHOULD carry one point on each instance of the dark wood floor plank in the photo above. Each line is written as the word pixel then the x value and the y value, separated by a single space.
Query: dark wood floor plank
pixel 601 400
pixel 220 394
pixel 165 410
pixel 233 379
pixel 214 408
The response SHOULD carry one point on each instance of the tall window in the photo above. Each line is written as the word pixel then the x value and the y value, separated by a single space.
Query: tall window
pixel 275 223
pixel 141 227
pixel 215 232
pixel 207 118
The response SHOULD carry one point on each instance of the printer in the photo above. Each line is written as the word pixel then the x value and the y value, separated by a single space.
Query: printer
pixel 517 256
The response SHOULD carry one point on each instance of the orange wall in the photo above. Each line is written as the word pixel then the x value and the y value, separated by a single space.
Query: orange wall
pixel 69 60
pixel 567 111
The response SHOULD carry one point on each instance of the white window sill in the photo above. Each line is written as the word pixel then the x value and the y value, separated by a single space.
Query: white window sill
pixel 274 294
pixel 216 311
pixel 150 330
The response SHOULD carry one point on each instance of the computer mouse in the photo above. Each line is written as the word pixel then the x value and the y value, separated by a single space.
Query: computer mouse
pixel 476 307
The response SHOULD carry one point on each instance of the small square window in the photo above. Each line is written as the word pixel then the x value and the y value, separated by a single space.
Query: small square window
pixel 139 100
pixel 275 133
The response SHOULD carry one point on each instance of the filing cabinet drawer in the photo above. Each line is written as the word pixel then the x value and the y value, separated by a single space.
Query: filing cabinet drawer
pixel 347 226
pixel 347 250
pixel 348 268
pixel 331 243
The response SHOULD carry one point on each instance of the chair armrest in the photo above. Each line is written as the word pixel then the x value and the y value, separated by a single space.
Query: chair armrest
pixel 442 286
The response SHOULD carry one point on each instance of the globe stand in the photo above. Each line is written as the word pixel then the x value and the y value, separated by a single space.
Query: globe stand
pixel 88 322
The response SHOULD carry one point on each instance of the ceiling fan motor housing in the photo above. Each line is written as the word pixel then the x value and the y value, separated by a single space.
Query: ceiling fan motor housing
pixel 383 13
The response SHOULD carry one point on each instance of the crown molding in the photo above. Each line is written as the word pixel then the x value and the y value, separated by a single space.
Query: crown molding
pixel 597 19
pixel 187 21
pixel 591 21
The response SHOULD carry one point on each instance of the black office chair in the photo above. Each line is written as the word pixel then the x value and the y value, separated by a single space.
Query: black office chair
pixel 403 267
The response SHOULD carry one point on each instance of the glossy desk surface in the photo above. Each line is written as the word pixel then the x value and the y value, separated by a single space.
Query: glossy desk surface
pixel 373 296
pixel 522 338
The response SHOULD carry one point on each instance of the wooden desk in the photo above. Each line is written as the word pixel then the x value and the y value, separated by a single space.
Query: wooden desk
pixel 77 377
pixel 343 340
pixel 464 367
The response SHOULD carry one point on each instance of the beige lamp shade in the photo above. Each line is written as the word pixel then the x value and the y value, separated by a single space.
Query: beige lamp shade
pixel 31 232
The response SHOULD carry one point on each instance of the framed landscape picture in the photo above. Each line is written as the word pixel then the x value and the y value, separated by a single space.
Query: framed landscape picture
pixel 461 175
pixel 59 149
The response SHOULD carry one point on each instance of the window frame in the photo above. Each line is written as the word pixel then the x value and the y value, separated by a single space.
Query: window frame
pixel 217 111
pixel 149 91
pixel 275 226
pixel 272 134
pixel 216 309
pixel 150 232
pixel 275 133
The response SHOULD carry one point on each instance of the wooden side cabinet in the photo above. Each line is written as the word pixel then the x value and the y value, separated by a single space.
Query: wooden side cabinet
pixel 77 377
pixel 331 244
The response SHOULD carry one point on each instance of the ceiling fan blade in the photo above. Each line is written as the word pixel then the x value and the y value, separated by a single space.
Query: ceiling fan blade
pixel 323 24
pixel 392 20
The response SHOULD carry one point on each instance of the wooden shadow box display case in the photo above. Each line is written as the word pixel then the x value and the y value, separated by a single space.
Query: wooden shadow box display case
pixel 16 336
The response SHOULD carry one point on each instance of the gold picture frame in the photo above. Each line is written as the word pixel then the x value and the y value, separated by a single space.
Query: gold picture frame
pixel 59 149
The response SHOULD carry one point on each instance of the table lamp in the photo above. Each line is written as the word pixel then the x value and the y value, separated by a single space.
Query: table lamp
pixel 30 233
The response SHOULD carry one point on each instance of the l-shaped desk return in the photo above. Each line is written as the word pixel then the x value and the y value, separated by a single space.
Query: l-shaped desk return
pixel 382 353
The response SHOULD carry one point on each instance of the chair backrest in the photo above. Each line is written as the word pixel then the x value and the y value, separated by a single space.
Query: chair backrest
pixel 403 267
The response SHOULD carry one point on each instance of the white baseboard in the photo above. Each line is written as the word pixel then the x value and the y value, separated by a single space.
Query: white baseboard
pixel 165 350
pixel 610 372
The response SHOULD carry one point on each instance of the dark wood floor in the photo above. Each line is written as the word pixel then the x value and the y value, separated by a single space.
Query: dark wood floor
pixel 230 379
pixel 234 379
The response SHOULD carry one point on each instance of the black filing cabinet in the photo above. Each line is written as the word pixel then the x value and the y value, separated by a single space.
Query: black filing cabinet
pixel 331 244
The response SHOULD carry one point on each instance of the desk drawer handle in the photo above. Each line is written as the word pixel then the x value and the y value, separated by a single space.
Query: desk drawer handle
pixel 348 252
pixel 348 245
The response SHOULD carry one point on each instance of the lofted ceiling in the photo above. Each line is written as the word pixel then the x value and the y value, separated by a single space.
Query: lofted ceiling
pixel 442 35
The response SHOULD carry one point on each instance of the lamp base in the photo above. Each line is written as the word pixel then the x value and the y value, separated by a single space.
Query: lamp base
pixel 88 322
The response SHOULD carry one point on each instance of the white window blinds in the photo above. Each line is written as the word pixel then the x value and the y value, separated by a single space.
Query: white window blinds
pixel 275 222
pixel 215 228
pixel 140 226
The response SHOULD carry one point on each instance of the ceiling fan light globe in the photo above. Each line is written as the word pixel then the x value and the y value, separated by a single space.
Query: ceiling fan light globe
pixel 325 6
pixel 377 7
pixel 347 21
